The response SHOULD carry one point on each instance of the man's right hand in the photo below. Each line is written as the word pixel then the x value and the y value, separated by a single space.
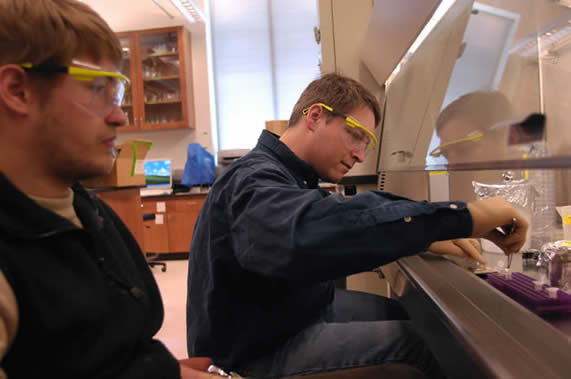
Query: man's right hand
pixel 488 214
pixel 190 373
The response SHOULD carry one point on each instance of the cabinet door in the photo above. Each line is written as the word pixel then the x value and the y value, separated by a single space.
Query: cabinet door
pixel 163 78
pixel 128 68
pixel 157 234
pixel 181 222
pixel 180 231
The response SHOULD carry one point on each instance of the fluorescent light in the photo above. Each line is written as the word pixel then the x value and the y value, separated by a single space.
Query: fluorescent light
pixel 440 11
pixel 565 3
pixel 444 7
pixel 549 42
pixel 189 9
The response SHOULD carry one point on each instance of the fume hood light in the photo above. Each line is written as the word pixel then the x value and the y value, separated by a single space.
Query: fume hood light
pixel 549 42
pixel 565 3
pixel 189 9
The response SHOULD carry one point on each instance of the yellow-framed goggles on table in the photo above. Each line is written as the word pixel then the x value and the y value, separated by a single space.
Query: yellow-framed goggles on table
pixel 105 88
pixel 361 137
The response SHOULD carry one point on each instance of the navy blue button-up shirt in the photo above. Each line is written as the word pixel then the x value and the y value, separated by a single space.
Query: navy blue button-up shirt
pixel 268 243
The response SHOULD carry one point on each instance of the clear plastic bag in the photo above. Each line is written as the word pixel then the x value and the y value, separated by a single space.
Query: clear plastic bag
pixel 520 193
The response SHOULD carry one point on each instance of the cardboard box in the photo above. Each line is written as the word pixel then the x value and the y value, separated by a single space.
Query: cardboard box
pixel 277 126
pixel 128 168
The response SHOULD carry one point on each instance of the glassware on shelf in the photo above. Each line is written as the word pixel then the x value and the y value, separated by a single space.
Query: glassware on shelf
pixel 127 99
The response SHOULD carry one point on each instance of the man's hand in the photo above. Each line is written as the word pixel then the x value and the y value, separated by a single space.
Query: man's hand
pixel 488 214
pixel 195 368
pixel 464 247
pixel 190 373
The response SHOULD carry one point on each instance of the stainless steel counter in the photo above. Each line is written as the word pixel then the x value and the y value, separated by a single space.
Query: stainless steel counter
pixel 476 331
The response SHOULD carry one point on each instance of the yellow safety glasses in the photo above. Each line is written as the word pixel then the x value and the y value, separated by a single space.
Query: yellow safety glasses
pixel 360 136
pixel 104 89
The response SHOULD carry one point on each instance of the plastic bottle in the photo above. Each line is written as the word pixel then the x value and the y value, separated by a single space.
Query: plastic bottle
pixel 544 214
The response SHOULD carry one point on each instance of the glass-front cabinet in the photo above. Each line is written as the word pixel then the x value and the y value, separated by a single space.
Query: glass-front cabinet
pixel 127 70
pixel 158 63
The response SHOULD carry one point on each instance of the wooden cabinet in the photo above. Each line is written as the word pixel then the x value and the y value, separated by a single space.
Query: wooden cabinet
pixel 126 202
pixel 158 62
pixel 174 217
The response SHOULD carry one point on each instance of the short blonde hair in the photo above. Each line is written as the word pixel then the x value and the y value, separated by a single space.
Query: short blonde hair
pixel 339 92
pixel 54 31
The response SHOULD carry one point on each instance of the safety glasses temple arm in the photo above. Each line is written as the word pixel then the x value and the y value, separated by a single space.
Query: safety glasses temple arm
pixel 86 74
pixel 437 151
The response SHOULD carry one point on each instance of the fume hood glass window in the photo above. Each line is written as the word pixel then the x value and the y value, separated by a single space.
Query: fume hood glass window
pixel 264 56
pixel 484 52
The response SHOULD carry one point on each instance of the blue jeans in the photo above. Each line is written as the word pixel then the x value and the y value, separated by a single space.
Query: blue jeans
pixel 356 330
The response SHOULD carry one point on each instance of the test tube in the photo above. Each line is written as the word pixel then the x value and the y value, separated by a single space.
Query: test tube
pixel 552 292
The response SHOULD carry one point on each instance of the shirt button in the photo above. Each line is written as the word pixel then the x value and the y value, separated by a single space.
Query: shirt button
pixel 453 206
pixel 137 292
pixel 407 219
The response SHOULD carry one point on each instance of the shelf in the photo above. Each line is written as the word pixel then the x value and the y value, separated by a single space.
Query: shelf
pixel 556 162
pixel 162 55
pixel 171 77
pixel 163 102
pixel 127 105
pixel 161 125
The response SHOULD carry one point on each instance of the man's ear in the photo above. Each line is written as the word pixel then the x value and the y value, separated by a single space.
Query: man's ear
pixel 314 114
pixel 15 91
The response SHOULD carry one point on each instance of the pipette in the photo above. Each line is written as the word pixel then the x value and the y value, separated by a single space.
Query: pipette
pixel 507 230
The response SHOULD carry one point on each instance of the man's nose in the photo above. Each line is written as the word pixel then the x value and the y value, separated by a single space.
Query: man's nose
pixel 117 117
pixel 359 154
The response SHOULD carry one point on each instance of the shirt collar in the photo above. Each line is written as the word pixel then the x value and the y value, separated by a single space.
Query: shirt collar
pixel 270 142
pixel 23 217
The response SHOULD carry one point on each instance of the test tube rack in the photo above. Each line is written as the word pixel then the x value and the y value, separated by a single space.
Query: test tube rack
pixel 521 288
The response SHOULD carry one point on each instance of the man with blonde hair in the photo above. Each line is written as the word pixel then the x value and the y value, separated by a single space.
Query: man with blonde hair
pixel 269 242
pixel 77 299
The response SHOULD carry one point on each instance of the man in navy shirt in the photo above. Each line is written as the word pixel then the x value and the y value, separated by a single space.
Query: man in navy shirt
pixel 268 244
